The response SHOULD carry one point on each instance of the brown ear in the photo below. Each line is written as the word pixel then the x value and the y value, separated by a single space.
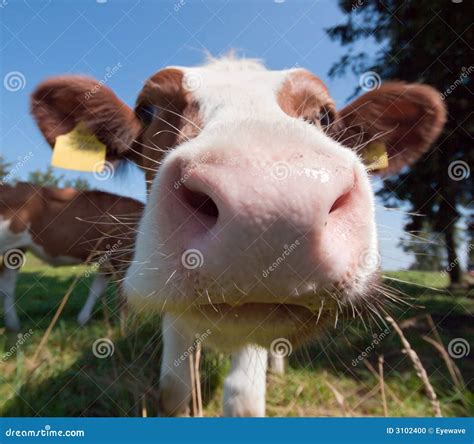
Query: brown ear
pixel 407 118
pixel 60 103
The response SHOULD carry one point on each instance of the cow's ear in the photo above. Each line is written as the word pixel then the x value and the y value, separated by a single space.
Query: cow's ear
pixel 405 119
pixel 59 104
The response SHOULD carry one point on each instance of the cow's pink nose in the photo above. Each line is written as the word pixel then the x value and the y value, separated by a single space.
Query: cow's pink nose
pixel 242 217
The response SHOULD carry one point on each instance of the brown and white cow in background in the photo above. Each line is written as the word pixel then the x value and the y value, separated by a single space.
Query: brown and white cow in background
pixel 243 163
pixel 64 227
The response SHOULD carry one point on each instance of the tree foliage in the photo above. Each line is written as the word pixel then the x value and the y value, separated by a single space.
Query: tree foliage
pixel 422 41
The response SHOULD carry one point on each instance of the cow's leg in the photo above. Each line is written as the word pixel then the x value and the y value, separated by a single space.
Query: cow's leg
pixel 276 364
pixel 98 287
pixel 245 386
pixel 8 279
pixel 175 377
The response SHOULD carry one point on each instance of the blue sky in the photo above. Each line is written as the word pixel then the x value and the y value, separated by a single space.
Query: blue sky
pixel 94 37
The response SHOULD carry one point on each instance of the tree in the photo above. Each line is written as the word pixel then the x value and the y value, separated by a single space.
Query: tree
pixel 427 247
pixel 48 178
pixel 4 168
pixel 78 184
pixel 423 41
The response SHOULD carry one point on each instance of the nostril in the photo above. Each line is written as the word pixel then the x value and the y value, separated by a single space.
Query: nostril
pixel 340 202
pixel 201 203
pixel 346 197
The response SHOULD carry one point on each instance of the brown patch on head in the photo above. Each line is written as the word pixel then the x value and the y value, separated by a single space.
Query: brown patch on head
pixel 305 96
pixel 169 116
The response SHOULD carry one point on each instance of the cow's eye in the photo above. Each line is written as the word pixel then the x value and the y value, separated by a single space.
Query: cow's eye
pixel 325 117
pixel 145 113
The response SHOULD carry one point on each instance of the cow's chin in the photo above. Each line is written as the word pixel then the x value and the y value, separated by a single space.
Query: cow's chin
pixel 228 327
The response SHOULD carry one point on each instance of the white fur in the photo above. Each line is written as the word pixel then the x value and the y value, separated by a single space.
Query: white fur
pixel 98 287
pixel 175 376
pixel 245 385
pixel 276 364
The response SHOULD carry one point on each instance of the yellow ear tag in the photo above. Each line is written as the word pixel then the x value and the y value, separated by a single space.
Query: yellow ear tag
pixel 375 156
pixel 79 150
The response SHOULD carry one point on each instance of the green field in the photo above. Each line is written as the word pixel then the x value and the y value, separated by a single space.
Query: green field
pixel 68 380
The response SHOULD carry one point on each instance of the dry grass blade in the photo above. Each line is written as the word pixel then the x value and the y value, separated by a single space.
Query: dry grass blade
pixel 339 398
pixel 382 386
pixel 438 344
pixel 420 370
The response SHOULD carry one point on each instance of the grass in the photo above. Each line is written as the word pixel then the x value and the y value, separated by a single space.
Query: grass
pixel 68 380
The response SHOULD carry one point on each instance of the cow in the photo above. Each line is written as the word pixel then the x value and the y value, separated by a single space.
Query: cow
pixel 259 227
pixel 64 227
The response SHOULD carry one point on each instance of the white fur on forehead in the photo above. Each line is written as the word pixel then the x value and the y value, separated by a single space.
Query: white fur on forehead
pixel 231 62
